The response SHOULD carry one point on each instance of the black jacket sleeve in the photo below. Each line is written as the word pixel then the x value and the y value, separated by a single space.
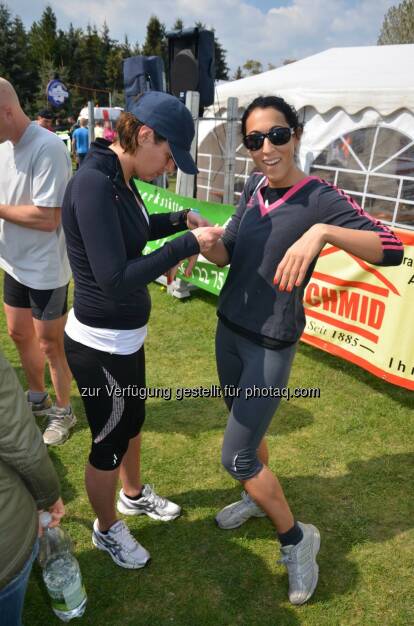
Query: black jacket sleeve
pixel 339 209
pixel 95 206
pixel 230 234
pixel 161 224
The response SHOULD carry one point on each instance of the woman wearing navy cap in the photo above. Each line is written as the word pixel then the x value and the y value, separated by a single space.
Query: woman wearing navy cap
pixel 107 227
pixel 272 243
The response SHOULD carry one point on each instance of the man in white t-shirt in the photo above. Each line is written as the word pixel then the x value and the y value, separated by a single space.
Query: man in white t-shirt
pixel 35 169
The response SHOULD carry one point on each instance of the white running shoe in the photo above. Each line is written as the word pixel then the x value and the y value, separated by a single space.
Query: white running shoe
pixel 150 504
pixel 59 423
pixel 125 551
pixel 234 515
pixel 301 564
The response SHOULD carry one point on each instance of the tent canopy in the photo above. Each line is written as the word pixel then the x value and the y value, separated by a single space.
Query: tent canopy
pixel 354 78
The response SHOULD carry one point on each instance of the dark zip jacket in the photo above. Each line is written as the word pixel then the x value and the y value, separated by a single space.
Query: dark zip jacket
pixel 106 233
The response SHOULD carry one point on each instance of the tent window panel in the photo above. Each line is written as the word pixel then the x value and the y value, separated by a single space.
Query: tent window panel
pixel 361 142
pixel 351 181
pixel 408 190
pixel 403 165
pixel 382 209
pixel 381 186
pixel 405 214
pixel 337 154
pixel 389 142
pixel 328 175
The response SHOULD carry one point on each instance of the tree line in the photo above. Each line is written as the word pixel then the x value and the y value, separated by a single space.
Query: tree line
pixel 88 61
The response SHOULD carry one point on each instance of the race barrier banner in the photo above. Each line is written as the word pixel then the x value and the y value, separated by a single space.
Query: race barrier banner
pixel 359 312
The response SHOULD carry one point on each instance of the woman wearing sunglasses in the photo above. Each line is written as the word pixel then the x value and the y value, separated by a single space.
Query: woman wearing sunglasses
pixel 272 243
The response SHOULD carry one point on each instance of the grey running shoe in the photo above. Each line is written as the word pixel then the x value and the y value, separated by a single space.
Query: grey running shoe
pixel 150 504
pixel 125 551
pixel 301 564
pixel 59 423
pixel 234 515
pixel 40 408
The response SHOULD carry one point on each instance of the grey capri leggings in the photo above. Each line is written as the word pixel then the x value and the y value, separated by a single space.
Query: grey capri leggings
pixel 245 366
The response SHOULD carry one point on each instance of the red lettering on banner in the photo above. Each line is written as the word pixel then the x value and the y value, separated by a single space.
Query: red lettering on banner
pixel 329 299
pixel 364 309
pixel 348 304
pixel 312 288
pixel 376 313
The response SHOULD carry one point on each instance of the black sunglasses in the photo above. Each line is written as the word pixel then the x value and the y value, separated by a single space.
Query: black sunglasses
pixel 278 136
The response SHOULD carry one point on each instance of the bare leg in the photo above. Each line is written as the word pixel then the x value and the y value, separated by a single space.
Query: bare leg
pixel 130 468
pixel 21 329
pixel 101 487
pixel 263 452
pixel 50 336
pixel 266 490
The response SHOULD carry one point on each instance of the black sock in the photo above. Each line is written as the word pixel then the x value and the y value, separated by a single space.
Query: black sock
pixel 137 497
pixel 292 536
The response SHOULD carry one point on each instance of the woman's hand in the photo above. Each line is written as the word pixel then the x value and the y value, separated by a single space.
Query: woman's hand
pixel 207 236
pixel 293 267
pixel 57 511
pixel 195 220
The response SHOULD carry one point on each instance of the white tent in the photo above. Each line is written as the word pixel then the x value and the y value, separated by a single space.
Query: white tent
pixel 357 104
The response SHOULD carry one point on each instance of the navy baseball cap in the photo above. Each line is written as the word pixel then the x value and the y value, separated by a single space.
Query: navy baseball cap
pixel 168 116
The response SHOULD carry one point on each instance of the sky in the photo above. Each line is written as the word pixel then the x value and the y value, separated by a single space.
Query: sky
pixel 269 31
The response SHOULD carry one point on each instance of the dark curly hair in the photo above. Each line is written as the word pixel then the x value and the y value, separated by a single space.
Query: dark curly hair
pixel 279 104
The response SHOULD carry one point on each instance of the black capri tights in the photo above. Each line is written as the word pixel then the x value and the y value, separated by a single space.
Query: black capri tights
pixel 243 365
pixel 109 385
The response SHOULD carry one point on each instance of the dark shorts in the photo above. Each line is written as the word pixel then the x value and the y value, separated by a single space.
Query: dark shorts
pixel 109 385
pixel 46 304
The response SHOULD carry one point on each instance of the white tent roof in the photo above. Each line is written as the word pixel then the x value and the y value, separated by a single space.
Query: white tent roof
pixel 379 77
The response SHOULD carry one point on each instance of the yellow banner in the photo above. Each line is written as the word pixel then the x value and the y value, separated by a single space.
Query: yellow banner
pixel 364 313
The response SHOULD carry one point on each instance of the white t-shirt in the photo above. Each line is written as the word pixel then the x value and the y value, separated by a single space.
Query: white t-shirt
pixel 34 171
pixel 105 339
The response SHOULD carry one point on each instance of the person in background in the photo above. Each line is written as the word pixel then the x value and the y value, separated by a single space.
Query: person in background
pixel 272 243
pixel 80 141
pixel 107 228
pixel 35 171
pixel 99 129
pixel 28 485
pixel 45 119
pixel 109 133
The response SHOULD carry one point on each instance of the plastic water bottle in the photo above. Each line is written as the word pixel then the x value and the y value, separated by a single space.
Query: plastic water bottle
pixel 61 571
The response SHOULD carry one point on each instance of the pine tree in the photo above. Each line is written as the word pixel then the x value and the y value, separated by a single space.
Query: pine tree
pixel 155 41
pixel 398 24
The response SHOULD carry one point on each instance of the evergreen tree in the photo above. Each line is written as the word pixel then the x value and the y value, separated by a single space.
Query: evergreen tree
pixel 22 73
pixel 5 41
pixel 43 38
pixel 238 74
pixel 253 67
pixel 178 24
pixel 398 24
pixel 155 41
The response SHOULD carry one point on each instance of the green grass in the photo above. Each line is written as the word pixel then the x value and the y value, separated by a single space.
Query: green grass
pixel 345 461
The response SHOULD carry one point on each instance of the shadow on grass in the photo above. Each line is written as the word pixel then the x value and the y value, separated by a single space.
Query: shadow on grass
pixel 193 416
pixel 402 396
pixel 203 576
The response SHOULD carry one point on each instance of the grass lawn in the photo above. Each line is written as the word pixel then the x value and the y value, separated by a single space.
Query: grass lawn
pixel 345 461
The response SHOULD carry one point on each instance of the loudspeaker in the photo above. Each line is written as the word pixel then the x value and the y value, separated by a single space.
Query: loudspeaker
pixel 142 74
pixel 191 63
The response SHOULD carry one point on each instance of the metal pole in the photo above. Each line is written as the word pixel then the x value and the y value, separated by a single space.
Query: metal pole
pixel 230 150
pixel 91 123
pixel 185 182
pixel 110 99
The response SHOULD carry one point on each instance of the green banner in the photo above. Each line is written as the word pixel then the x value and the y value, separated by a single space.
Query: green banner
pixel 205 275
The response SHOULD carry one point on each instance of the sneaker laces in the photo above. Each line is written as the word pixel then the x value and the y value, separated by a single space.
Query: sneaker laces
pixel 150 495
pixel 125 538
pixel 55 419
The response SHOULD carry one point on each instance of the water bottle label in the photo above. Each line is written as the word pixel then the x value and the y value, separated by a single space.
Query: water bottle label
pixel 73 595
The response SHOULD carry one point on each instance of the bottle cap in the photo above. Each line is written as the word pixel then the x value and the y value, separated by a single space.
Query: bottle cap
pixel 45 518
